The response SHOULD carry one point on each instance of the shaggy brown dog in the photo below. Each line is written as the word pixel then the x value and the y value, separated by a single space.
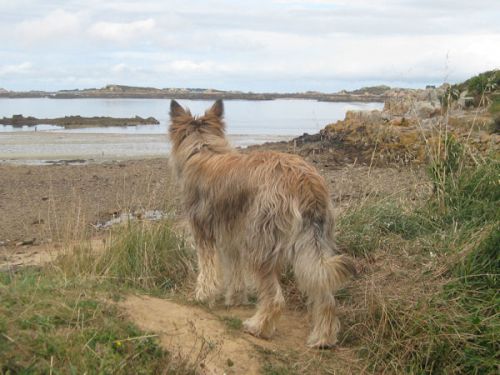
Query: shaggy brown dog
pixel 254 213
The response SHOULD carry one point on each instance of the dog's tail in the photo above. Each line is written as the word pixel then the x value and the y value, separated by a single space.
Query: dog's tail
pixel 319 272
pixel 318 269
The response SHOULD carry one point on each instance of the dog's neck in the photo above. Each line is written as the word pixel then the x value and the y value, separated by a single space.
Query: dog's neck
pixel 196 145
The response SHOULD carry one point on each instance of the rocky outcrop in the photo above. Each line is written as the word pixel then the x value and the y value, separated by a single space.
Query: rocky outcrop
pixel 414 103
pixel 410 127
pixel 78 121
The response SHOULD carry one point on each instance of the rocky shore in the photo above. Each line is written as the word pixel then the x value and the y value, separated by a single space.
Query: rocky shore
pixel 411 125
pixel 78 121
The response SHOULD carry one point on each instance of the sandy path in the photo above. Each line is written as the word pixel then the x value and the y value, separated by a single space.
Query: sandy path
pixel 195 334
pixel 201 336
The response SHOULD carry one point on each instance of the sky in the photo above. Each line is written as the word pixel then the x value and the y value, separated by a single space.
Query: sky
pixel 258 45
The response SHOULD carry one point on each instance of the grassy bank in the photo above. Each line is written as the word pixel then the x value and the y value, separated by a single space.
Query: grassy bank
pixel 61 319
pixel 440 314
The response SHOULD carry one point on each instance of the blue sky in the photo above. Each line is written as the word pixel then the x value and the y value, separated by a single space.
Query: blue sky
pixel 272 45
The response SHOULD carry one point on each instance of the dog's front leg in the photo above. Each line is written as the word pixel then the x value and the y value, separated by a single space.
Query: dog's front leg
pixel 206 284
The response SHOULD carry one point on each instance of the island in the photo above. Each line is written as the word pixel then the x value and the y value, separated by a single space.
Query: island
pixel 78 121
pixel 365 94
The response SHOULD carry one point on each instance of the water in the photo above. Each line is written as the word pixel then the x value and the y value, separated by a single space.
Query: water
pixel 248 122
pixel 274 117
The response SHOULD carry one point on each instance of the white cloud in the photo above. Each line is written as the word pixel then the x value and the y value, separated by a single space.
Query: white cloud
pixel 122 32
pixel 15 69
pixel 259 45
pixel 57 24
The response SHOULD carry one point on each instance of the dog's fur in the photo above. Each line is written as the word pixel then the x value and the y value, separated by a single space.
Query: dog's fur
pixel 254 213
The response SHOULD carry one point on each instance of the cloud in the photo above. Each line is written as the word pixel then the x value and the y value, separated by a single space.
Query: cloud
pixel 263 45
pixel 122 32
pixel 15 69
pixel 57 24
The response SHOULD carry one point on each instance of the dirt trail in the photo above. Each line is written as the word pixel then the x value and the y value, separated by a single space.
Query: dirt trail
pixel 205 338
pixel 195 334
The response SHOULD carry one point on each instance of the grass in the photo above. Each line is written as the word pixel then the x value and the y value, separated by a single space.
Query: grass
pixel 60 319
pixel 233 323
pixel 52 325
pixel 495 105
pixel 374 225
pixel 144 256
pixel 453 325
pixel 276 363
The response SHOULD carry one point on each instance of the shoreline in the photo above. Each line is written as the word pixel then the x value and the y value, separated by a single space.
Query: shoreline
pixel 44 148
pixel 319 98
pixel 101 94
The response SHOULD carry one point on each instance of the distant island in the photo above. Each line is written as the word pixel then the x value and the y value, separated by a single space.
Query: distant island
pixel 78 121
pixel 366 94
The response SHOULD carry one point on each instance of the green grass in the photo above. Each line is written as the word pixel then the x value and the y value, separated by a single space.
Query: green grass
pixel 48 325
pixel 495 105
pixel 454 329
pixel 233 323
pixel 61 319
pixel 375 224
pixel 274 362
pixel 142 256
pixel 495 111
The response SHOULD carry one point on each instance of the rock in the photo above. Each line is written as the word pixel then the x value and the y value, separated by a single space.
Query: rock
pixel 425 109
pixel 26 242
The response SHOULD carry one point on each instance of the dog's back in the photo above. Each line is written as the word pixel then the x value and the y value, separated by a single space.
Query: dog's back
pixel 265 192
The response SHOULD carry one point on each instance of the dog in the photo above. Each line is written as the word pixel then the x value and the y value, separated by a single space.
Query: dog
pixel 253 214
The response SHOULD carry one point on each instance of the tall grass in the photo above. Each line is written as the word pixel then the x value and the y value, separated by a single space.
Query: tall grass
pixel 454 328
pixel 148 256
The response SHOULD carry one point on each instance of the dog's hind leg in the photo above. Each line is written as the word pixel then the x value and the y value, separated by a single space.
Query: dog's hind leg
pixel 319 273
pixel 234 278
pixel 271 303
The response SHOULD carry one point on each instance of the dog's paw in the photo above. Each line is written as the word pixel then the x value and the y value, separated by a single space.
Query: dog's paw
pixel 205 296
pixel 321 344
pixel 250 327
pixel 257 330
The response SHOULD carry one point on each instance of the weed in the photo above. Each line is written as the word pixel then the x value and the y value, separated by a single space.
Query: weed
pixel 233 323
pixel 50 326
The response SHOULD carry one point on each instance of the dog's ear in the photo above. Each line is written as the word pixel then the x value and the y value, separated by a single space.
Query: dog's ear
pixel 217 109
pixel 176 109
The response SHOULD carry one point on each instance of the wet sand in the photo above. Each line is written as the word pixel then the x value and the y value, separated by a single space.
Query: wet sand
pixel 53 202
pixel 33 147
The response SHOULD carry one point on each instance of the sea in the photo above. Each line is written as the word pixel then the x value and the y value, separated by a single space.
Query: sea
pixel 247 122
